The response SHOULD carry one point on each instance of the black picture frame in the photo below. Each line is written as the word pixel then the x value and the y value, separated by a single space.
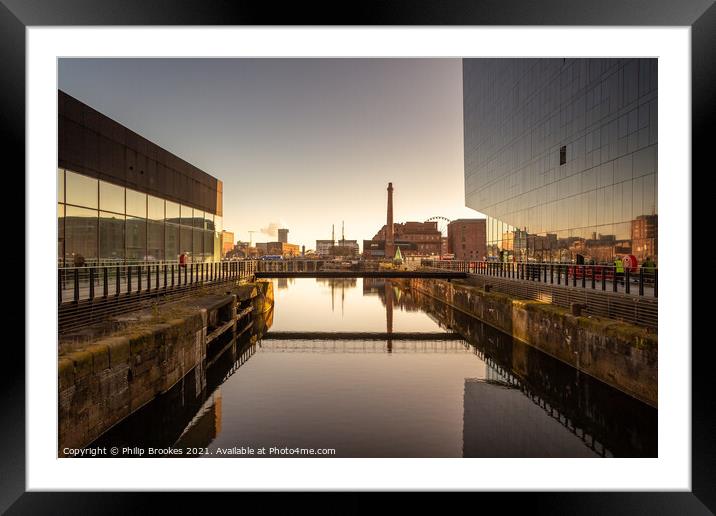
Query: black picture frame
pixel 17 15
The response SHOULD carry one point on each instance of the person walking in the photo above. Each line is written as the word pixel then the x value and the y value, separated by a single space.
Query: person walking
pixel 619 270
pixel 649 269
pixel 182 260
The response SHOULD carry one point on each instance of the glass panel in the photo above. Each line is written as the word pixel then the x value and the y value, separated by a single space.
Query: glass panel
pixel 60 234
pixel 198 221
pixel 111 197
pixel 81 190
pixel 185 242
pixel 111 237
pixel 172 212
pixel 218 224
pixel 198 246
pixel 60 185
pixel 136 204
pixel 186 214
pixel 156 208
pixel 209 221
pixel 217 246
pixel 155 240
pixel 136 238
pixel 80 236
pixel 171 242
pixel 208 246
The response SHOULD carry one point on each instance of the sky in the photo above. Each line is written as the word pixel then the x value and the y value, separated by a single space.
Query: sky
pixel 298 143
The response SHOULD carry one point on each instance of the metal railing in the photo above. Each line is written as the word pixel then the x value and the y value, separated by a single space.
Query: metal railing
pixel 634 301
pixel 88 294
pixel 642 281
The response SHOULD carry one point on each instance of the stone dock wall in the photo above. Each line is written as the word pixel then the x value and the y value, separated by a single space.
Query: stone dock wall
pixel 106 378
pixel 619 354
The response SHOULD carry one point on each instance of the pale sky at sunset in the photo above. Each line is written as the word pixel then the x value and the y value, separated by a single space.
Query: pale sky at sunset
pixel 304 143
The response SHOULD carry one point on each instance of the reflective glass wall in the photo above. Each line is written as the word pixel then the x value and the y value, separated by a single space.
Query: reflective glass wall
pixel 102 223
pixel 561 154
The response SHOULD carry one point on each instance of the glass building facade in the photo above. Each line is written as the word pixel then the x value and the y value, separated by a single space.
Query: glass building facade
pixel 121 198
pixel 106 223
pixel 561 155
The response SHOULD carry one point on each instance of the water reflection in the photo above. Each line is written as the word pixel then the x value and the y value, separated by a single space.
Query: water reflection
pixel 393 374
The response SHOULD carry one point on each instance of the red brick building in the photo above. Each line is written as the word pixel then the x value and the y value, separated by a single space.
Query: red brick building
pixel 425 235
pixel 467 239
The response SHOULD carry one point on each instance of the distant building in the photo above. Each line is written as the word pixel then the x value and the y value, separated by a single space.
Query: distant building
pixel 376 248
pixel 283 235
pixel 418 238
pixel 227 242
pixel 325 247
pixel 644 236
pixel 242 250
pixel 346 248
pixel 278 248
pixel 467 239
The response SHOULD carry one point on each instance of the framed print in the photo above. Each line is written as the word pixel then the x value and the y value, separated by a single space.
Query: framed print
pixel 485 315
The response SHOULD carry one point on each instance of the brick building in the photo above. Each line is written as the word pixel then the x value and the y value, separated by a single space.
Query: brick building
pixel 467 239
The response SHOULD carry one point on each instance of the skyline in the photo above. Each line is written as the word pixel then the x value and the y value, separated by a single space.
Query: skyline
pixel 329 133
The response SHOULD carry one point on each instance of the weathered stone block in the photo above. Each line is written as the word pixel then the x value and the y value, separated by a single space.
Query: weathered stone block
pixel 66 373
pixel 82 361
pixel 100 357
pixel 118 350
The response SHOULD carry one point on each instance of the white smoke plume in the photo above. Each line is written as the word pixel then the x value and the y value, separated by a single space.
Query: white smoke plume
pixel 272 228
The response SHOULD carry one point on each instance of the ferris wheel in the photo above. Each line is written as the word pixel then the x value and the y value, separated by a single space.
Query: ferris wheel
pixel 442 223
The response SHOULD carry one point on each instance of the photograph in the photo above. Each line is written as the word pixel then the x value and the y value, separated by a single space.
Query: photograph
pixel 357 257
pixel 413 249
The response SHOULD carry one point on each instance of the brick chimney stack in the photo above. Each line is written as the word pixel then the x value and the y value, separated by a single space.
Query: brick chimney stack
pixel 389 238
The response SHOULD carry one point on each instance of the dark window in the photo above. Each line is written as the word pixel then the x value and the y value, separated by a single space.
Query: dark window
pixel 563 155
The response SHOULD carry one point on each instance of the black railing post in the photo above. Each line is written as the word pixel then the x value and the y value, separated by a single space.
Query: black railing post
pixel 139 278
pixel 626 280
pixel 656 272
pixel 91 283
pixel 551 273
pixel 59 286
pixel 105 274
pixel 77 285
pixel 614 280
pixel 641 281
pixel 165 276
pixel 191 274
pixel 584 276
pixel 172 268
pixel 118 279
pixel 604 278
pixel 156 277
pixel 574 275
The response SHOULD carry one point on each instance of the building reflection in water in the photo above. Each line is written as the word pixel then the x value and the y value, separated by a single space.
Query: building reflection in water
pixel 340 285
pixel 189 415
